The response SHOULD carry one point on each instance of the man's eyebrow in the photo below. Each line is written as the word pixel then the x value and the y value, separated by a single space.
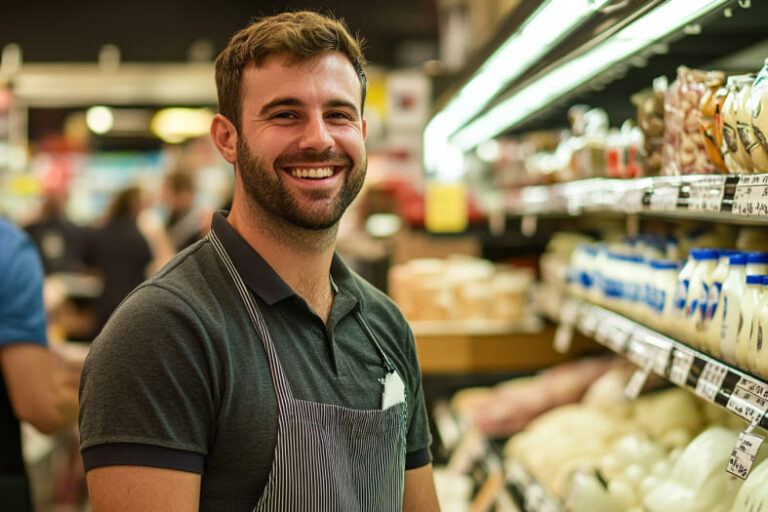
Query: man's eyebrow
pixel 342 103
pixel 295 102
pixel 280 102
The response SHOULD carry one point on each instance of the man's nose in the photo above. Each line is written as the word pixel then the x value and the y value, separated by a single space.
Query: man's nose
pixel 315 135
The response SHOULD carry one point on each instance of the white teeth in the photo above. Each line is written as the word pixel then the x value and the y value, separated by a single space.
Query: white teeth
pixel 322 172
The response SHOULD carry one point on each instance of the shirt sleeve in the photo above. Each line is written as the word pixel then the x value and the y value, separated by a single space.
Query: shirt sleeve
pixel 22 314
pixel 418 438
pixel 147 381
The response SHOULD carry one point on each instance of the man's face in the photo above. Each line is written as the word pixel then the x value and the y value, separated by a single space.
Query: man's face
pixel 300 152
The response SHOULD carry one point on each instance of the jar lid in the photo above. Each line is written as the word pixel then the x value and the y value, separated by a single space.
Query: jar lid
pixel 755 278
pixel 757 257
pixel 737 259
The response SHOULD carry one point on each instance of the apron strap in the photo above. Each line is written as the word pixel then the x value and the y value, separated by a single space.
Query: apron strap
pixel 282 386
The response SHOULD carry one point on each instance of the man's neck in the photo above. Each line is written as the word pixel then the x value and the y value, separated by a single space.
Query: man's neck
pixel 302 258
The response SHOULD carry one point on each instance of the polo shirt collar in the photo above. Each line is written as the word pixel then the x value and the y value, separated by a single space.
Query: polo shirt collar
pixel 259 276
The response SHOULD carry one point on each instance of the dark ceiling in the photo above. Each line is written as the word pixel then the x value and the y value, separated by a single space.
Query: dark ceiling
pixel 398 32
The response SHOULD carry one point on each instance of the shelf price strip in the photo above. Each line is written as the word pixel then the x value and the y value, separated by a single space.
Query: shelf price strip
pixel 748 399
pixel 665 196
pixel 569 314
pixel 751 196
pixel 681 366
pixel 711 380
pixel 707 194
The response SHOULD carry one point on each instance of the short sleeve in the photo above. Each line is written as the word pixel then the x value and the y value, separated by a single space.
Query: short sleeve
pixel 147 378
pixel 22 314
pixel 418 438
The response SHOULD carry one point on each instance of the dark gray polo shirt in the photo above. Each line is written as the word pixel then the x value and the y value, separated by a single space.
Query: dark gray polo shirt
pixel 179 379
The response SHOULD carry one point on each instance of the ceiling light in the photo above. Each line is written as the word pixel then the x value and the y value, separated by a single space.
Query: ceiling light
pixel 655 25
pixel 99 119
pixel 538 34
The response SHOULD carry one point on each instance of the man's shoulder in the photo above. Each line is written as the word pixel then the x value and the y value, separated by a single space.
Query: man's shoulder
pixel 192 277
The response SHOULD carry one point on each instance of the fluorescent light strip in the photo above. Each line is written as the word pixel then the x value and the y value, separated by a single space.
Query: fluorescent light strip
pixel 655 25
pixel 543 29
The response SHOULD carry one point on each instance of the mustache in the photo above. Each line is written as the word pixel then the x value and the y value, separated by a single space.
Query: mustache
pixel 312 157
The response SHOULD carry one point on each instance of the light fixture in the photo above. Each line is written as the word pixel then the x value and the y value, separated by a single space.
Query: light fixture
pixel 175 125
pixel 536 36
pixel 640 34
pixel 99 119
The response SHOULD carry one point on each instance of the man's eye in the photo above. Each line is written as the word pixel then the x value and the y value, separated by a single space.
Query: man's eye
pixel 339 115
pixel 284 115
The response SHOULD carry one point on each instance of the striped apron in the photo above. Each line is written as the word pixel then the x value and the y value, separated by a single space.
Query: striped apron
pixel 328 457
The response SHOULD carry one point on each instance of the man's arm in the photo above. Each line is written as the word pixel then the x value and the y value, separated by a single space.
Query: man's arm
pixel 40 393
pixel 142 489
pixel 419 494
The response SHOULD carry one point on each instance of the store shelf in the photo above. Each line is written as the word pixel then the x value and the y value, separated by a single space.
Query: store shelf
pixel 725 198
pixel 709 378
pixel 445 352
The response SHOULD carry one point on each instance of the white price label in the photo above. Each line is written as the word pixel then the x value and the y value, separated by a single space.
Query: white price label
pixel 569 312
pixel 516 474
pixel 707 194
pixel 750 406
pixel 563 338
pixel 751 196
pixel 743 455
pixel 756 388
pixel 617 339
pixel 711 380
pixel 603 332
pixel 664 196
pixel 639 353
pixel 661 354
pixel 588 323
pixel 681 366
pixel 637 381
pixel 534 497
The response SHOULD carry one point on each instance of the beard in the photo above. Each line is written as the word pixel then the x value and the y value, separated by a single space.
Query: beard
pixel 265 188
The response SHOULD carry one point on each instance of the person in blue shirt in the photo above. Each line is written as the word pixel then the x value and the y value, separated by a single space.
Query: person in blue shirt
pixel 32 389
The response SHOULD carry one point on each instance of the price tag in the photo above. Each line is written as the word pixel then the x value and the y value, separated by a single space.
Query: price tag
pixel 447 426
pixel 603 332
pixel 707 193
pixel 617 339
pixel 711 380
pixel 569 312
pixel 681 366
pixel 746 403
pixel 637 381
pixel 516 474
pixel 756 388
pixel 743 455
pixel 751 196
pixel 661 358
pixel 563 338
pixel 664 196
pixel 639 353
pixel 588 323
pixel 534 496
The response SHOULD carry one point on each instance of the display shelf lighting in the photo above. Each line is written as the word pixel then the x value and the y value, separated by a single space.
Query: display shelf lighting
pixel 536 36
pixel 643 32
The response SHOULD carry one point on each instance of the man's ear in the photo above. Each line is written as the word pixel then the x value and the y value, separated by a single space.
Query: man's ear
pixel 224 135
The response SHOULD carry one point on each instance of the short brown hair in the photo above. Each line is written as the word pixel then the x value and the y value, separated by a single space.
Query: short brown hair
pixel 299 35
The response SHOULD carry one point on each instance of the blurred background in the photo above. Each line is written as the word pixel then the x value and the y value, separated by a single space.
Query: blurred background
pixel 503 136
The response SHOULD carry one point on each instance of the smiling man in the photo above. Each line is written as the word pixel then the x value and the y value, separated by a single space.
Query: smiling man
pixel 256 371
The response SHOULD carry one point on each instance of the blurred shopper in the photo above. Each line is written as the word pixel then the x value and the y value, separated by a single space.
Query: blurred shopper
pixel 34 387
pixel 186 223
pixel 121 252
pixel 256 371
pixel 59 240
